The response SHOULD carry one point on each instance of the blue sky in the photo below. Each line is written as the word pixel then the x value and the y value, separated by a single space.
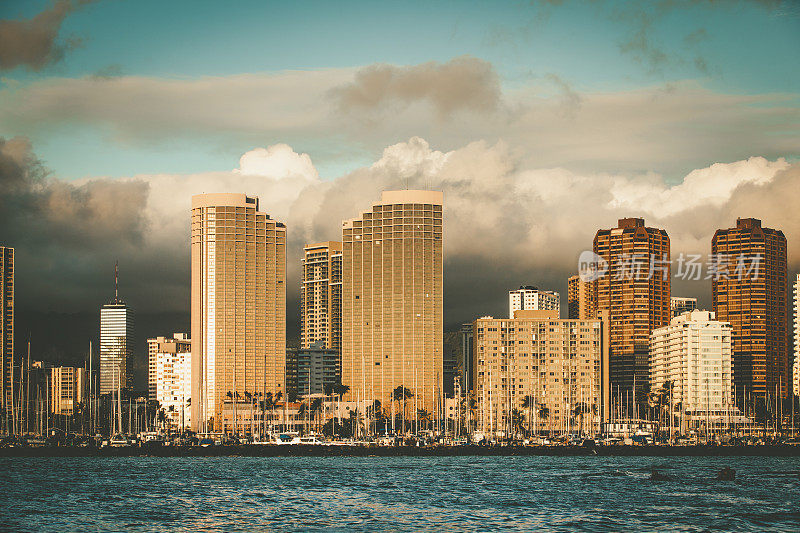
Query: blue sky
pixel 747 49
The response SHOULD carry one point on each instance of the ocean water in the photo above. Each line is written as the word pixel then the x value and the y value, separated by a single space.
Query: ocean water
pixel 397 494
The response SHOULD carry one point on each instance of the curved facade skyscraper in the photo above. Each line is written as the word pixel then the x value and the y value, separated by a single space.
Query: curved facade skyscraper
pixel 238 306
pixel 392 299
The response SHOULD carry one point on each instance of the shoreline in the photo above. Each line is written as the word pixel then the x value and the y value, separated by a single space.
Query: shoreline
pixel 301 450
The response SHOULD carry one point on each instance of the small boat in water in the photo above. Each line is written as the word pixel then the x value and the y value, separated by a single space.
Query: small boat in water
pixel 120 441
pixel 312 439
pixel 288 438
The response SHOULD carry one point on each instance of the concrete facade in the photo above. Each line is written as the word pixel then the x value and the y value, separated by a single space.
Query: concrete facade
pixel 321 296
pixel 635 291
pixel 529 298
pixel 560 365
pixel 691 357
pixel 754 300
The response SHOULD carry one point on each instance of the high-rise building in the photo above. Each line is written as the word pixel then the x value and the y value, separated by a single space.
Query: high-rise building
pixel 635 291
pixel 679 305
pixel 467 347
pixel 796 366
pixel 551 371
pixel 449 368
pixel 321 296
pixel 581 299
pixel 528 298
pixel 392 299
pixel 170 376
pixel 750 290
pixel 116 344
pixel 693 354
pixel 69 386
pixel 6 325
pixel 238 305
pixel 310 370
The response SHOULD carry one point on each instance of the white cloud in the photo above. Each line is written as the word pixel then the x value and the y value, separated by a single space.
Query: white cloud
pixel 711 186
pixel 506 222
pixel 278 161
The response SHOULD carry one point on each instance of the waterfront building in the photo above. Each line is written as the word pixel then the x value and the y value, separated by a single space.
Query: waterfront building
pixel 238 304
pixel 310 370
pixel 116 343
pixel 690 361
pixel 467 347
pixel 69 387
pixel 392 299
pixel 679 305
pixel 6 329
pixel 449 367
pixel 796 369
pixel 635 291
pixel 581 298
pixel 540 372
pixel 170 376
pixel 531 298
pixel 750 291
pixel 321 296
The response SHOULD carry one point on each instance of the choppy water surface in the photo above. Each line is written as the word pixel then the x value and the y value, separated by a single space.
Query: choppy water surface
pixel 397 493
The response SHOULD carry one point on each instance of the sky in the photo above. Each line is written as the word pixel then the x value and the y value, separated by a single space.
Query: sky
pixel 541 121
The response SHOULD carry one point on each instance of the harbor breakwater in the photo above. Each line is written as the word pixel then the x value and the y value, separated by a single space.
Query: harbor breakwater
pixel 302 450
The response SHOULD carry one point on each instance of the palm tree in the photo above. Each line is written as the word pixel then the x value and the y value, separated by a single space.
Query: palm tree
pixel 529 402
pixel 517 420
pixel 374 412
pixel 544 414
pixel 248 396
pixel 400 393
pixel 276 398
pixel 229 394
pixel 424 416
pixel 316 407
pixel 579 410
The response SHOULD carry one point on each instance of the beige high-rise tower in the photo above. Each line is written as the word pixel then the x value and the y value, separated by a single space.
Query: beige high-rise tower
pixel 581 298
pixel 392 299
pixel 238 305
pixel 321 296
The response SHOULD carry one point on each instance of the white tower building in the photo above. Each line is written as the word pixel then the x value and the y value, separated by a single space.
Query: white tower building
pixel 116 343
pixel 528 298
pixel 693 353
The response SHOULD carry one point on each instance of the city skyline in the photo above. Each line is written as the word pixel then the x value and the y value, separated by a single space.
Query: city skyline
pixel 539 140
pixel 399 265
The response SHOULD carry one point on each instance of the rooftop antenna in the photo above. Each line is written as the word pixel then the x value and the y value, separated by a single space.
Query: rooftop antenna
pixel 116 281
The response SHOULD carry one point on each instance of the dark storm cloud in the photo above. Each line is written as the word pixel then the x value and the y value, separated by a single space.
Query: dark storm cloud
pixel 463 83
pixel 34 43
pixel 59 229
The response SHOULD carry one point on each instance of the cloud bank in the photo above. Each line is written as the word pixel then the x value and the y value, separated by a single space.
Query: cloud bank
pixel 506 223
pixel 354 114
